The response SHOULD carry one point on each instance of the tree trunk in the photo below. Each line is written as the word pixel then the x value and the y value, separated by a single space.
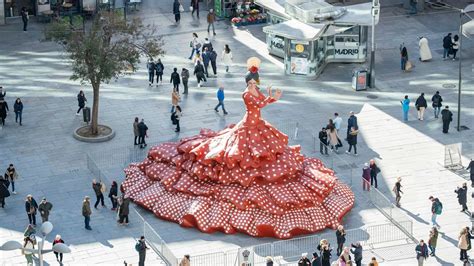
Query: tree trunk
pixel 95 109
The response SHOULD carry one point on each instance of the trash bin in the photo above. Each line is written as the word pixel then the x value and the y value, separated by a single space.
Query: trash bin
pixel 359 79
pixel 86 114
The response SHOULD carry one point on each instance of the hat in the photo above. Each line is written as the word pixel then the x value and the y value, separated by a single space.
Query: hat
pixel 304 254
pixel 86 197
pixel 44 198
pixel 366 164
pixel 315 254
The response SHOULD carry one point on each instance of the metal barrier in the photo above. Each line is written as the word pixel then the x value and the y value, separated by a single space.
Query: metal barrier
pixel 157 244
pixel 228 258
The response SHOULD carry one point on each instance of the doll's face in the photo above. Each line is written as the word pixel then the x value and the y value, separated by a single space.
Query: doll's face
pixel 252 84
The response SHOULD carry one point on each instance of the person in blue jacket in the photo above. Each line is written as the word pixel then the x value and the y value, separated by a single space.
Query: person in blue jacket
pixel 405 107
pixel 220 98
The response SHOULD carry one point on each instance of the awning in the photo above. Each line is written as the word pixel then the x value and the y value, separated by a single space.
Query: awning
pixel 296 30
pixel 360 14
pixel 468 29
pixel 333 30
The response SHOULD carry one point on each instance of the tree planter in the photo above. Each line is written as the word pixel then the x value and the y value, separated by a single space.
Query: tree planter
pixel 84 134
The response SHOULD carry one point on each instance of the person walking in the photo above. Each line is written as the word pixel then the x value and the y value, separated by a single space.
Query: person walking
pixel 436 209
pixel 31 207
pixel 433 240
pixel 351 123
pixel 340 238
pixel 447 117
pixel 471 168
pixel 357 251
pixel 421 252
pixel 374 171
pixel 323 141
pixel 142 133
pixel 99 193
pixel 366 177
pixel 185 261
pixel 4 193
pixel 86 212
pixel 421 105
pixel 352 140
pixel 207 44
pixel 174 100
pixel 227 57
pixel 403 58
pixel 177 117
pixel 220 99
pixel 135 131
pixel 177 9
pixel 206 58
pixel 338 121
pixel 413 5
pixel 175 79
pixel 185 79
pixel 197 58
pixel 28 247
pixel 151 71
pixel 3 92
pixel 18 109
pixel 447 46
pixel 159 68
pixel 24 17
pixel 199 73
pixel 462 244
pixel 194 44
pixel 425 51
pixel 436 103
pixel 124 210
pixel 405 107
pixel 195 7
pixel 211 18
pixel 113 195
pixel 397 189
pixel 141 247
pixel 11 175
pixel 57 240
pixel 44 209
pixel 213 59
pixel 81 101
pixel 3 111
pixel 333 137
pixel 455 46
pixel 462 196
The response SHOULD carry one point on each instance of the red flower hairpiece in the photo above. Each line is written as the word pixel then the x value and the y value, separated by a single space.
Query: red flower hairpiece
pixel 253 69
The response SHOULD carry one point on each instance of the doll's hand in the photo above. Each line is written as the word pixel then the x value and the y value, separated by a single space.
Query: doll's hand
pixel 277 95
pixel 269 91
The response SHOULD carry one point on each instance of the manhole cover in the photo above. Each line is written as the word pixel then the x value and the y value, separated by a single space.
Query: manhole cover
pixel 449 85
pixel 371 96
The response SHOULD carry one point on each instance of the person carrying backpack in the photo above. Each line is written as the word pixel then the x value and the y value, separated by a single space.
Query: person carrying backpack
pixel 141 248
pixel 436 209
pixel 437 103
pixel 159 68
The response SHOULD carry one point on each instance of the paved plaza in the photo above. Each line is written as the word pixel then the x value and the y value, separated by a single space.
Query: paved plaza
pixel 53 164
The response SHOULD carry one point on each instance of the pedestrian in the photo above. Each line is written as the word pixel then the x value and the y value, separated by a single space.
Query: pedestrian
pixel 397 189
pixel 421 105
pixel 304 261
pixel 194 44
pixel 341 239
pixel 333 137
pixel 421 252
pixel 469 236
pixel 174 100
pixel 81 101
pixel 366 177
pixel 373 262
pixel 159 68
pixel 347 256
pixel 436 209
pixel 197 57
pixel 3 110
pixel 99 190
pixel 141 247
pixel 3 92
pixel 211 18
pixel 24 17
pixel 405 107
pixel 413 5
pixel 213 58
pixel 351 122
pixel 199 73
pixel 31 207
pixel 316 260
pixel 374 171
pixel 207 44
pixel 220 99
pixel 323 141
pixel 151 71
pixel 403 58
pixel 195 7
pixel 124 210
pixel 433 239
pixel 86 212
pixel 11 174
pixel 18 109
pixel 337 121
pixel 437 103
pixel 44 209
pixel 462 244
pixel 28 247
pixel 57 240
pixel 184 79
pixel 447 117
pixel 357 251
pixel 135 131
pixel 425 51
pixel 352 140
pixel 177 9
pixel 325 251
pixel 455 46
pixel 30 230
pixel 142 133
pixel 227 57
pixel 462 196
pixel 177 117
pixel 471 168
pixel 206 58
pixel 447 46
pixel 185 261
pixel 175 79
pixel 113 195
pixel 4 193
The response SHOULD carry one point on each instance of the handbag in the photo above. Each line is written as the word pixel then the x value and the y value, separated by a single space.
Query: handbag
pixel 181 8
pixel 409 66
pixel 191 8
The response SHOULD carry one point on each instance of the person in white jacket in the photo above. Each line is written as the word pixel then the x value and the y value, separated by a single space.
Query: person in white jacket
pixel 227 57
pixel 425 52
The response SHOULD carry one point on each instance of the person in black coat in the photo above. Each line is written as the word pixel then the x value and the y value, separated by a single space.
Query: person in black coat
pixel 3 110
pixel 151 71
pixel 471 167
pixel 447 46
pixel 175 79
pixel 447 117
pixel 351 122
pixel 124 210
pixel 81 101
pixel 325 250
pixel 159 68
pixel 374 170
pixel 437 103
pixel 213 58
pixel 462 196
pixel 176 12
pixel 4 193
pixel 323 141
pixel 352 140
pixel 341 239
pixel 195 5
pixel 18 109
pixel 304 261
pixel 24 18
pixel 357 251
pixel 206 59
pixel 142 133
pixel 31 207
pixel 113 195
pixel 2 93
pixel 316 260
pixel 421 105
pixel 199 73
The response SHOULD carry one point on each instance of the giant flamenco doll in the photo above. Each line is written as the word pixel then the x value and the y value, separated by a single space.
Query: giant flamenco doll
pixel 244 178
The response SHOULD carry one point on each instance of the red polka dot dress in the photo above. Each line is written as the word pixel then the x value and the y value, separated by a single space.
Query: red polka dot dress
pixel 244 178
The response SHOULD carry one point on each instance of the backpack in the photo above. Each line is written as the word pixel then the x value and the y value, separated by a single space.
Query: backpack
pixel 173 118
pixel 438 207
pixel 159 68
pixel 138 246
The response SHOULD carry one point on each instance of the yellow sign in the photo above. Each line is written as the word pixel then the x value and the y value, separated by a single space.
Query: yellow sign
pixel 299 48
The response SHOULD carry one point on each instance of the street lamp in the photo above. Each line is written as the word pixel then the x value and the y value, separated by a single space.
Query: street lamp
pixel 375 14
pixel 45 229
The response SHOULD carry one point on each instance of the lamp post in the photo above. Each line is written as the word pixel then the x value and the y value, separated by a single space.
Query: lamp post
pixel 45 229
pixel 375 14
